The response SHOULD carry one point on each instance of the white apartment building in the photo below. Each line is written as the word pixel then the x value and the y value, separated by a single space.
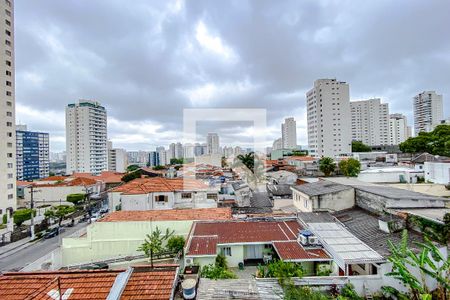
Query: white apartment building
pixel 117 159
pixel 7 109
pixel 289 133
pixel 212 143
pixel 428 110
pixel 179 153
pixel 398 129
pixel 329 118
pixel 370 122
pixel 86 137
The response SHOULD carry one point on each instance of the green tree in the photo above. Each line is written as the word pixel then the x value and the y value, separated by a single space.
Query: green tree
pixel 158 168
pixel 175 243
pixel 176 161
pixel 132 175
pixel 153 244
pixel 327 165
pixel 358 146
pixel 132 168
pixel 436 142
pixel 59 212
pixel 218 270
pixel 76 198
pixel 248 160
pixel 22 215
pixel 350 167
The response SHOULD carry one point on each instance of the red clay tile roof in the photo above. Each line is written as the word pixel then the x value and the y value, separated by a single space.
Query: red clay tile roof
pixel 105 176
pixel 54 178
pixel 159 184
pixel 292 250
pixel 241 232
pixel 144 283
pixel 23 183
pixel 203 245
pixel 169 215
pixel 301 158
pixel 248 231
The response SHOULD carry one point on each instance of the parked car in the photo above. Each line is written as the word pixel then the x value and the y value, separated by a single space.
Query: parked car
pixel 51 233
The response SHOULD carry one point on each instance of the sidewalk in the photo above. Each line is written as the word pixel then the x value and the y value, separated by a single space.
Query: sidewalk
pixel 23 243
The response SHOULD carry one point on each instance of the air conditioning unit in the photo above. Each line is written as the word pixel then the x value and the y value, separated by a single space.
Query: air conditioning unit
pixel 303 239
pixel 313 240
pixel 189 261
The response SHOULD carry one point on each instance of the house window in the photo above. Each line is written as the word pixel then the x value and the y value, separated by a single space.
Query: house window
pixel 305 203
pixel 226 251
pixel 162 198
pixel 10 196
pixel 211 196
pixel 186 195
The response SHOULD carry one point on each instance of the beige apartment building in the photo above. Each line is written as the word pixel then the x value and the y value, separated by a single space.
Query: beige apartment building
pixel 370 122
pixel 7 109
pixel 329 118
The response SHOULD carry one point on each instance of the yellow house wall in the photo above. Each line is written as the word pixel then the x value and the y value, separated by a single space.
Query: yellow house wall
pixel 106 240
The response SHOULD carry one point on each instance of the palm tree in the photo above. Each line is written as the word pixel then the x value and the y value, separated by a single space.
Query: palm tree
pixel 327 165
pixel 248 160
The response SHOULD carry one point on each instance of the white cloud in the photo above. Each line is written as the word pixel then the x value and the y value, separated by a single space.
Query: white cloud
pixel 213 43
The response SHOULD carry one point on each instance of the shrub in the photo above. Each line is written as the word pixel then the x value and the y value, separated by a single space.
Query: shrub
pixel 348 293
pixel 280 269
pixel 22 215
pixel 75 198
pixel 214 272
pixel 221 261
pixel 132 175
pixel 303 293
pixel 175 243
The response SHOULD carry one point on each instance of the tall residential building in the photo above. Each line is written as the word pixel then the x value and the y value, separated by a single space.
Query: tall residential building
pixel 428 111
pixel 32 154
pixel 188 151
pixel 370 122
pixel 398 129
pixel 212 143
pixel 7 109
pixel 117 159
pixel 86 137
pixel 153 158
pixel 179 153
pixel 289 133
pixel 162 155
pixel 329 118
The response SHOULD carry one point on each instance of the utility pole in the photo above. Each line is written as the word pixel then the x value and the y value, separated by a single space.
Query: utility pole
pixel 32 214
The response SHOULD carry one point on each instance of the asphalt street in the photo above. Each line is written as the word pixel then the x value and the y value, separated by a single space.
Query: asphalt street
pixel 16 260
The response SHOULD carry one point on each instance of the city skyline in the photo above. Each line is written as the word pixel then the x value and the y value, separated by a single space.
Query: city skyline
pixel 208 63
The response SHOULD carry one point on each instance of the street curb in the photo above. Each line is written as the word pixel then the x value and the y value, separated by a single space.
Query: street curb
pixel 23 246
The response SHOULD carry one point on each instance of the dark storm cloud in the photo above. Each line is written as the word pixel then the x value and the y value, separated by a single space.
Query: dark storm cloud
pixel 147 61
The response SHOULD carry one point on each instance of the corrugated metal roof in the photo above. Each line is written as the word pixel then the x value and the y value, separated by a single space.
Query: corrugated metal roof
pixel 343 245
pixel 320 188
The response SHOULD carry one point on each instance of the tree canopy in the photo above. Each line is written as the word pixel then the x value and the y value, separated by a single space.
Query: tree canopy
pixel 59 212
pixel 350 167
pixel 132 168
pixel 327 165
pixel 22 215
pixel 75 198
pixel 358 146
pixel 436 142
pixel 131 175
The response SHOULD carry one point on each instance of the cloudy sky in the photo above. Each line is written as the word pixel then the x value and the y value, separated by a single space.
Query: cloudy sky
pixel 149 60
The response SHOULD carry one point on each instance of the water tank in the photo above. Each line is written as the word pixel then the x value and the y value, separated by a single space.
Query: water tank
pixel 188 286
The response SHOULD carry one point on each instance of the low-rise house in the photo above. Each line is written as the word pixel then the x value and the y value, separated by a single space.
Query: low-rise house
pixel 120 233
pixel 54 190
pixel 141 282
pixel 162 193
pixel 301 162
pixel 252 242
pixel 109 178
pixel 323 196
pixel 437 172
pixel 390 175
